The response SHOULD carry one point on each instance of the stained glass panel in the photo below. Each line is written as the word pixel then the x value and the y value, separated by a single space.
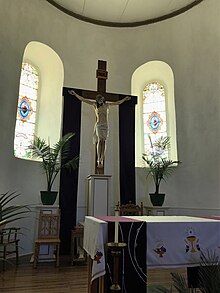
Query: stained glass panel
pixel 26 111
pixel 154 112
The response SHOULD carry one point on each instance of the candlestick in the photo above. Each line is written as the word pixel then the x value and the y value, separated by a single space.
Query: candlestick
pixel 116 222
pixel 116 251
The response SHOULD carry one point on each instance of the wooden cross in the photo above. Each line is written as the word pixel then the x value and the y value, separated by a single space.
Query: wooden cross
pixel 102 76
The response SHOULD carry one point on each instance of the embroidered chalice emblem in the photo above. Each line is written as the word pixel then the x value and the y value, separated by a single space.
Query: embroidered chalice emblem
pixel 192 240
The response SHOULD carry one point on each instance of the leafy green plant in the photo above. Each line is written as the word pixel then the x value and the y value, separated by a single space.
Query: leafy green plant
pixel 209 273
pixel 180 284
pixel 158 289
pixel 55 157
pixel 208 277
pixel 158 165
pixel 11 212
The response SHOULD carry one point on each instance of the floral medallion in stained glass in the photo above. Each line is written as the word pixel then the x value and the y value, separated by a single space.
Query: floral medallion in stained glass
pixel 25 109
pixel 154 122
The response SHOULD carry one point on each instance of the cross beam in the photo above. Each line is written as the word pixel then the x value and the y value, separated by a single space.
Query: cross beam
pixel 102 76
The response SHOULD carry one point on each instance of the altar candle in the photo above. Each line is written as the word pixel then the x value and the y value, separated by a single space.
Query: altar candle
pixel 116 223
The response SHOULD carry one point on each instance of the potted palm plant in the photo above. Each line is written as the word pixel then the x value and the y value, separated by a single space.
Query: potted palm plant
pixel 53 159
pixel 159 166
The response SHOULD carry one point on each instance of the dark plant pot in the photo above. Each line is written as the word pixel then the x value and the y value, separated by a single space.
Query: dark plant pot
pixel 48 197
pixel 157 199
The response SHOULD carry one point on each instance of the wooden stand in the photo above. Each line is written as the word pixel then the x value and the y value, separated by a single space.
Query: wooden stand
pixel 115 249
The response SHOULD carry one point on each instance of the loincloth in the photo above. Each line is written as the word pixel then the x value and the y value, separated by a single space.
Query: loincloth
pixel 100 132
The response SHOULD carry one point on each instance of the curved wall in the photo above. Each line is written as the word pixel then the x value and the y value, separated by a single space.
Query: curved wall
pixel 189 43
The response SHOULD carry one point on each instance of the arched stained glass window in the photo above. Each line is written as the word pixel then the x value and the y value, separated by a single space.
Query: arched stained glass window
pixel 154 112
pixel 26 111
pixel 153 83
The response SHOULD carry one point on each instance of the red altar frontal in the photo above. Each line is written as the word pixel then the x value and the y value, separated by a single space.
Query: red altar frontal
pixel 152 242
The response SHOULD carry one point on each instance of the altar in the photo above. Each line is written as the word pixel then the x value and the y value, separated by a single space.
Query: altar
pixel 159 241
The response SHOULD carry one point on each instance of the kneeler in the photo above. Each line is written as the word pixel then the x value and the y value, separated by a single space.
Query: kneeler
pixel 133 268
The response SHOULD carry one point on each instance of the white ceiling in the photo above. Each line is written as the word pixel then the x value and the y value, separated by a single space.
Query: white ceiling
pixel 123 11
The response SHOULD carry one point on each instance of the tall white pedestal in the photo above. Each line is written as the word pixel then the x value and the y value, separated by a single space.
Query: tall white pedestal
pixel 99 195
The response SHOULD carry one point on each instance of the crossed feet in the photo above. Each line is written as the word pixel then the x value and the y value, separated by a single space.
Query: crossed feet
pixel 100 164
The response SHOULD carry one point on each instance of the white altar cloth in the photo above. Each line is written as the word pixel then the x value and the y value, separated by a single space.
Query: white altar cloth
pixel 172 241
pixel 177 241
pixel 95 237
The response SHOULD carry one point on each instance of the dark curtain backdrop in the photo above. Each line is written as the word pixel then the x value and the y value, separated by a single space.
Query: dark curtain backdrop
pixel 132 263
pixel 69 180
pixel 127 150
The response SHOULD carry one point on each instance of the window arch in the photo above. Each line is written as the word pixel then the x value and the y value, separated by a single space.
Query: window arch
pixel 154 78
pixel 26 110
pixel 47 111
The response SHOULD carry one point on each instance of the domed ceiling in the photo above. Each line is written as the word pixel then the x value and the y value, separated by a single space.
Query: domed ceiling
pixel 123 13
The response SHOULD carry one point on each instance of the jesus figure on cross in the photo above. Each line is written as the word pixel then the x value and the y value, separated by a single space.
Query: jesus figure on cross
pixel 101 128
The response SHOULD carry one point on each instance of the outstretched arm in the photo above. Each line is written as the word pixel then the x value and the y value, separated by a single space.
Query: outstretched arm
pixel 127 98
pixel 73 93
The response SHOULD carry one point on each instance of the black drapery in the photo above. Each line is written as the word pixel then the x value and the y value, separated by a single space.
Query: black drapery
pixel 69 180
pixel 127 150
pixel 132 262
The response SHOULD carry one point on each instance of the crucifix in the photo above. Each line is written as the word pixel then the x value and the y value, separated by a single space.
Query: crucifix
pixel 100 100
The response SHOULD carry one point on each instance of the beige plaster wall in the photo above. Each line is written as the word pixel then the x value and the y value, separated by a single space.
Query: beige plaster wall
pixel 189 43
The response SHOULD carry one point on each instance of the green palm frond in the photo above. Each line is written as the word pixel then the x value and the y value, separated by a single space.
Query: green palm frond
pixel 158 289
pixel 180 283
pixel 40 148
pixel 10 213
pixel 72 164
pixel 55 157
pixel 208 280
pixel 65 146
pixel 158 165
pixel 208 275
pixel 162 142
pixel 209 272
pixel 6 197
